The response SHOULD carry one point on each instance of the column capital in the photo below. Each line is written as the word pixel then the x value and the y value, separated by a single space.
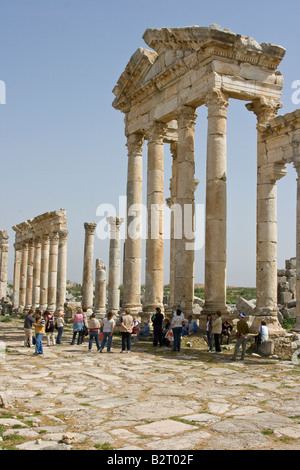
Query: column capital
pixel 264 109
pixel 4 248
pixel 53 236
pixel 297 168
pixel 115 221
pixel 156 132
pixel 186 116
pixel 273 172
pixel 135 143
pixel 216 102
pixel 63 234
pixel 90 227
pixel 45 238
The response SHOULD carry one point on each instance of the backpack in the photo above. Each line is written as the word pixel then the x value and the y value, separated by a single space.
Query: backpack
pixel 50 325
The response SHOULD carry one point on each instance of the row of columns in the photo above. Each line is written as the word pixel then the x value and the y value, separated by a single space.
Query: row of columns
pixel 40 272
pixel 4 246
pixel 183 185
pixel 98 303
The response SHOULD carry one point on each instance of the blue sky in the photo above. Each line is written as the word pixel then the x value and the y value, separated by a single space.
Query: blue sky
pixel 62 143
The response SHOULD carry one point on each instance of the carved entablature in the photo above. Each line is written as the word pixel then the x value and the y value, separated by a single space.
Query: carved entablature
pixel 281 139
pixel 41 226
pixel 187 64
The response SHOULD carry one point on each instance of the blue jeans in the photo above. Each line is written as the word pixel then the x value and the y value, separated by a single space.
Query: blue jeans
pixel 177 338
pixel 59 334
pixel 210 341
pixel 94 334
pixel 38 344
pixel 107 336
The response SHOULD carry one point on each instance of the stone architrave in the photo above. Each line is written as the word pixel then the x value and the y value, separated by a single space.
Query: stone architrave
pixel 17 273
pixel 62 270
pixel 36 290
pixel 3 262
pixel 87 278
pixel 154 284
pixel 114 276
pixel 44 272
pixel 100 289
pixel 29 283
pixel 133 244
pixel 23 279
pixel 215 220
pixel 184 233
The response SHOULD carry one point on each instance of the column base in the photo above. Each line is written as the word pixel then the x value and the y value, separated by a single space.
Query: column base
pixel 297 325
pixel 272 323
pixel 151 308
pixel 100 313
pixel 213 308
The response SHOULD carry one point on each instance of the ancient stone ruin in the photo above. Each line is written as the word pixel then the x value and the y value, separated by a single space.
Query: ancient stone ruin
pixel 159 93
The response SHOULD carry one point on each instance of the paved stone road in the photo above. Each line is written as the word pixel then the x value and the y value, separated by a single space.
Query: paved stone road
pixel 151 399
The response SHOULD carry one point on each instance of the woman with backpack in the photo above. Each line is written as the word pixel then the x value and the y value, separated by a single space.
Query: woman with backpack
pixel 49 327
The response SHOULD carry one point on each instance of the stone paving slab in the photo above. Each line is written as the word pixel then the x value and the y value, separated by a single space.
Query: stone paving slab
pixel 146 400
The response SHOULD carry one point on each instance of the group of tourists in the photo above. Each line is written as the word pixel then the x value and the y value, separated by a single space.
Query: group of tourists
pixel 42 323
pixel 217 331
pixel 165 331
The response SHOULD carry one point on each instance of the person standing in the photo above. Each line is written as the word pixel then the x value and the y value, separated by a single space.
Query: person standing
pixel 108 325
pixel 241 337
pixel 157 320
pixel 176 325
pixel 217 330
pixel 39 327
pixel 78 327
pixel 60 326
pixel 49 328
pixel 28 322
pixel 210 337
pixel 94 326
pixel 126 330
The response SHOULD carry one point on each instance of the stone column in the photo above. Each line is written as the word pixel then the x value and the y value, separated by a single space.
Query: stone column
pixel 266 240
pixel 114 275
pixel 62 270
pixel 297 325
pixel 185 187
pixel 100 289
pixel 87 279
pixel 170 202
pixel 17 275
pixel 215 221
pixel 44 272
pixel 52 274
pixel 3 262
pixel 36 274
pixel 23 279
pixel 29 284
pixel 133 244
pixel 154 284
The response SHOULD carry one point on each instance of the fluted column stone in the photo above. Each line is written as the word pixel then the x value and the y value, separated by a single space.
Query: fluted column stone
pixel 154 284
pixel 100 289
pixel 133 244
pixel 52 276
pixel 4 247
pixel 36 292
pixel 17 275
pixel 62 270
pixel 185 188
pixel 44 272
pixel 29 283
pixel 87 278
pixel 113 291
